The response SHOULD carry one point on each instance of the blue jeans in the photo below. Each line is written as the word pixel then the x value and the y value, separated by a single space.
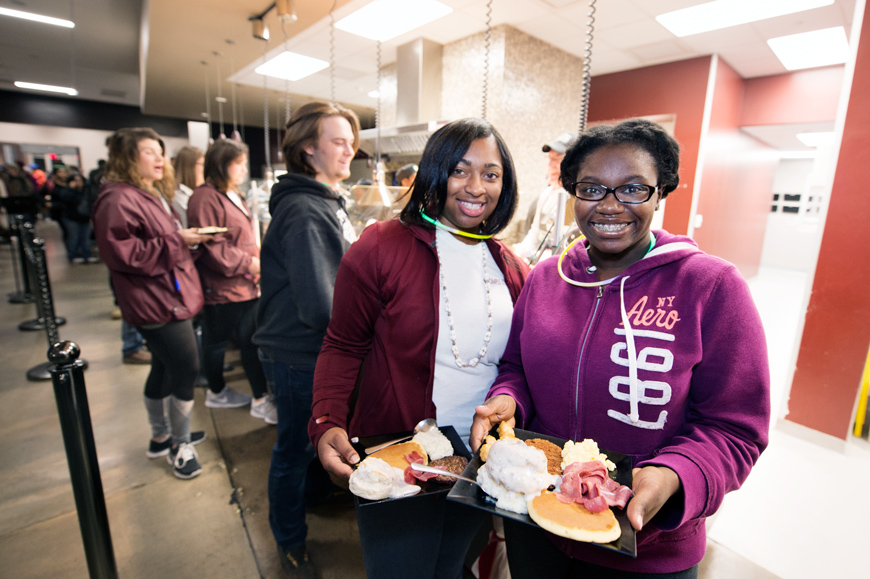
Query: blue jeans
pixel 78 239
pixel 293 451
pixel 132 339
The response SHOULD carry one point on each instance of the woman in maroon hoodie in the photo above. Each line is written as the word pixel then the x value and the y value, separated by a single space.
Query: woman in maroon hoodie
pixel 148 255
pixel 230 271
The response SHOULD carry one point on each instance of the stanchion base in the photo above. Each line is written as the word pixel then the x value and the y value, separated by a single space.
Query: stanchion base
pixel 20 298
pixel 40 372
pixel 37 324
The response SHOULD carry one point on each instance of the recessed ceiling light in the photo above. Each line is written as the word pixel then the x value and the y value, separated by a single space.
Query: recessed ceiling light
pixel 386 19
pixel 798 154
pixel 37 18
pixel 291 66
pixel 726 13
pixel 811 49
pixel 46 87
pixel 816 139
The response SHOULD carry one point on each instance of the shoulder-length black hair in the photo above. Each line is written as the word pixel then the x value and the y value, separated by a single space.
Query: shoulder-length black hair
pixel 442 154
pixel 647 135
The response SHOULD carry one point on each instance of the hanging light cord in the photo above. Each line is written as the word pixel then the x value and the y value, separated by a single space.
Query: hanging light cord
pixel 207 97
pixel 332 53
pixel 220 98
pixel 486 51
pixel 266 112
pixel 233 86
pixel 286 82
pixel 378 114
pixel 72 48
pixel 587 67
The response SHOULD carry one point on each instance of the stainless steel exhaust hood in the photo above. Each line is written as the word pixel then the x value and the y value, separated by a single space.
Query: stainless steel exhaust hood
pixel 406 140
pixel 418 101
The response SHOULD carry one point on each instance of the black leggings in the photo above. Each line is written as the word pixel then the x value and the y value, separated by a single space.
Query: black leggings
pixel 174 360
pixel 220 322
pixel 532 555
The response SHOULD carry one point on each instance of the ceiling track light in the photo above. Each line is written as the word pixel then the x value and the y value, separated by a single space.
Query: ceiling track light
pixel 286 10
pixel 260 31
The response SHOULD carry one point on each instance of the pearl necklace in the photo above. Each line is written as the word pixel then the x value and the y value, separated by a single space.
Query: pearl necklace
pixel 486 337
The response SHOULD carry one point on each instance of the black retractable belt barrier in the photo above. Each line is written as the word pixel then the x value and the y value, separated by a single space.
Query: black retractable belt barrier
pixel 37 270
pixel 22 293
pixel 67 374
pixel 38 281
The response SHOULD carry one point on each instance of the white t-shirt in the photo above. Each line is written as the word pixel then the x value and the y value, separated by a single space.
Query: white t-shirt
pixel 456 391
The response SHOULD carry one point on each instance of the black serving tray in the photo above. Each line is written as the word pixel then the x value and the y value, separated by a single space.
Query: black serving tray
pixel 472 495
pixel 429 487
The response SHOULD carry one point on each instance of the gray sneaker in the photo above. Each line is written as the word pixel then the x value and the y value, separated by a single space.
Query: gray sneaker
pixel 228 398
pixel 265 410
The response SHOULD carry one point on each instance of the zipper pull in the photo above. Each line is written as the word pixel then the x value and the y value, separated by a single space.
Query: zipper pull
pixel 600 291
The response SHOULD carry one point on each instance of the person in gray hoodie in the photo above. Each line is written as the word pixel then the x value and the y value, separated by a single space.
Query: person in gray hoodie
pixel 309 233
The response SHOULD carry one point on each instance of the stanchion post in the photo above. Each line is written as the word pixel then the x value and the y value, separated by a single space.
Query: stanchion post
pixel 21 295
pixel 78 438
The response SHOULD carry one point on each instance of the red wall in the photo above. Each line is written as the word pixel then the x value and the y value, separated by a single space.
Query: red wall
pixel 837 330
pixel 675 88
pixel 803 96
pixel 736 182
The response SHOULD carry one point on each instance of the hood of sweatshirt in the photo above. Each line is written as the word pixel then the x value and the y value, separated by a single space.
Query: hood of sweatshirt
pixel 297 184
pixel 576 269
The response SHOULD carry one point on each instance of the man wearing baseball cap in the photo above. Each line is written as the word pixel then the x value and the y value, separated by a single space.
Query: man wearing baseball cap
pixel 542 213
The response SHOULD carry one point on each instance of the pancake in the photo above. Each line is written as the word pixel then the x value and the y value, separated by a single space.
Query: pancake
pixel 395 455
pixel 552 452
pixel 572 520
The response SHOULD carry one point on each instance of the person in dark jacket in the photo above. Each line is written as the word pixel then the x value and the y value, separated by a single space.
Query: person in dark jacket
pixel 156 284
pixel 422 314
pixel 75 213
pixel 229 268
pixel 309 233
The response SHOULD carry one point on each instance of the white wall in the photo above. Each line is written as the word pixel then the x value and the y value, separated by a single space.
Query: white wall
pixel 791 240
pixel 91 143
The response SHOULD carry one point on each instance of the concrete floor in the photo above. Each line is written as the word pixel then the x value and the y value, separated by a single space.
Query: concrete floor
pixel 214 526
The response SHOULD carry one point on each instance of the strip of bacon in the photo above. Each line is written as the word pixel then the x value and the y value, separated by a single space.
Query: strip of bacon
pixel 411 475
pixel 588 484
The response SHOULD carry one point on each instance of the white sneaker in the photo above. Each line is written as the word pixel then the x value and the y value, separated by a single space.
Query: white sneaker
pixel 228 398
pixel 265 410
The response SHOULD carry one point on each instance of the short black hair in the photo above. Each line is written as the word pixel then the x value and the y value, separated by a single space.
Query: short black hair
pixel 442 154
pixel 647 135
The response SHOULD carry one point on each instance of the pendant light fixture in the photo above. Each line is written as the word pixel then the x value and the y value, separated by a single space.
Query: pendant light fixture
pixel 220 97
pixel 286 10
pixel 204 64
pixel 236 136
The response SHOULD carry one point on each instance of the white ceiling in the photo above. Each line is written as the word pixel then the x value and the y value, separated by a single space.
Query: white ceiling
pixel 101 56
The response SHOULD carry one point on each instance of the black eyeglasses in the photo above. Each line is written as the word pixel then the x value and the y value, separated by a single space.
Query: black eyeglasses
pixel 632 193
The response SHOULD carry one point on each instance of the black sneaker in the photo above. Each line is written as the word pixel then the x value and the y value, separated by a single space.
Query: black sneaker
pixel 184 461
pixel 158 449
pixel 296 564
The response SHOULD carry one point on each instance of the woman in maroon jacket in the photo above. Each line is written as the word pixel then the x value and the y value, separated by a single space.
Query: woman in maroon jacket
pixel 421 315
pixel 156 284
pixel 229 268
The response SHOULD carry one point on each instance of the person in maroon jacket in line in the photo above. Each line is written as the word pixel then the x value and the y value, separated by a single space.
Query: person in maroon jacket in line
pixel 229 268
pixel 148 254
